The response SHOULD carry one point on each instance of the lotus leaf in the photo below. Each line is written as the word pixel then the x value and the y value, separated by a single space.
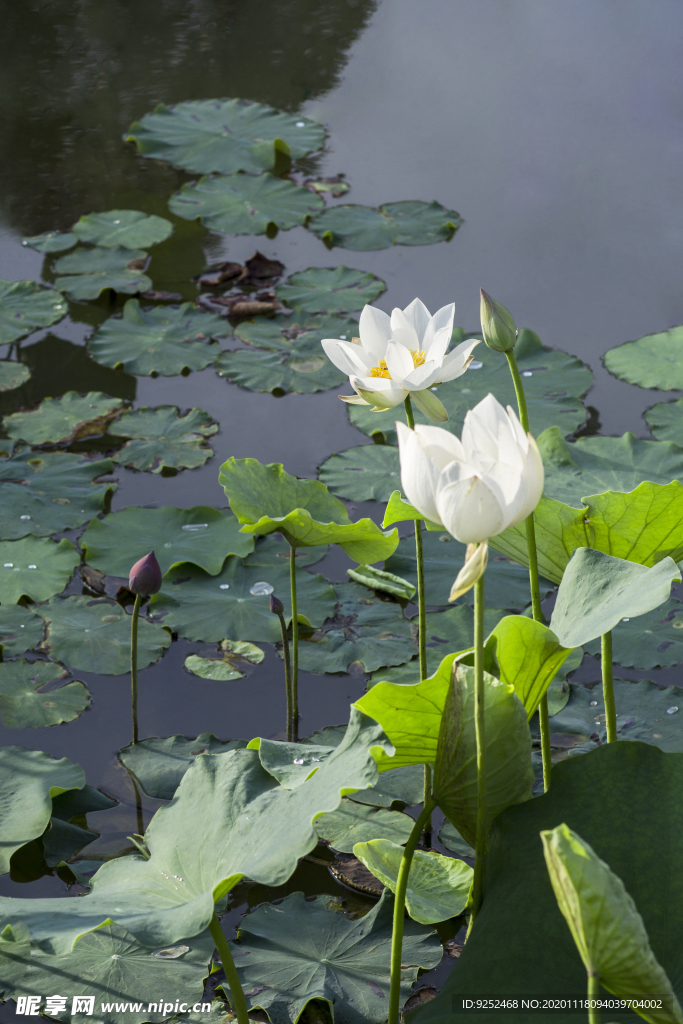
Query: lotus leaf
pixel 653 640
pixel 20 629
pixel 110 964
pixel 330 289
pixel 229 819
pixel 24 706
pixel 364 629
pixel 89 271
pixel 353 822
pixel 12 375
pixel 94 636
pixel 385 582
pixel 529 656
pixel 266 499
pixel 287 762
pixel 400 511
pixel 627 782
pixel 202 607
pixel 278 332
pixel 245 204
pixel 51 241
pixel 453 841
pixel 592 465
pixel 129 229
pixel 362 228
pixel 161 340
pixel 46 492
pixel 163 439
pixel 68 418
pixel 651 362
pixel 438 886
pixel 28 781
pixel 274 550
pixel 26 306
pixel 296 951
pixel 224 135
pixel 159 764
pixel 302 368
pixel 200 535
pixel 236 655
pixel 399 785
pixel 666 421
pixel 35 567
pixel 366 473
pixel 554 382
pixel 62 839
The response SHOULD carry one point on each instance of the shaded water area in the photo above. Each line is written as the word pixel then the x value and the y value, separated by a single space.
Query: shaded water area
pixel 553 129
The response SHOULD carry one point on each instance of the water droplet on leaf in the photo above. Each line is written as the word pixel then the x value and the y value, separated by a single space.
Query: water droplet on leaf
pixel 475 365
pixel 24 517
pixel 298 760
pixel 171 952
pixel 261 589
pixel 193 527
pixel 671 711
pixel 224 586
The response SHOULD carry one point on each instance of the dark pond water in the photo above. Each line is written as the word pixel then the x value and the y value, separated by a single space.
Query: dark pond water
pixel 553 128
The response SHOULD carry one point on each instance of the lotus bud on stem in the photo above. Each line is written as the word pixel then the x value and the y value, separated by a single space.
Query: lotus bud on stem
pixel 144 579
pixel 497 324
pixel 277 608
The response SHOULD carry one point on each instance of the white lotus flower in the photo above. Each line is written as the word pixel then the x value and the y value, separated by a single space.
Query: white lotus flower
pixel 401 355
pixel 478 486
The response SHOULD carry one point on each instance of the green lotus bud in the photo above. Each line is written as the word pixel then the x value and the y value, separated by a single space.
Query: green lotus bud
pixel 497 324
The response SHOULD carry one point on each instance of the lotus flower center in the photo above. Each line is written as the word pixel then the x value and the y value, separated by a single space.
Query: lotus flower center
pixel 381 369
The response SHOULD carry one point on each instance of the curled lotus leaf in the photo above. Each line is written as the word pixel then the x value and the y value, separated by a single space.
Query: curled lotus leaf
pixel 363 228
pixel 71 417
pixel 129 229
pixel 27 306
pixel 35 567
pixel 163 439
pixel 353 822
pixel 88 272
pixel 330 289
pixel 24 704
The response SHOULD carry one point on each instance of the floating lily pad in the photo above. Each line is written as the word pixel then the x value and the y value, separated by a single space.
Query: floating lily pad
pixel 364 629
pixel 666 421
pixel 651 362
pixel 301 950
pixel 278 332
pixel 68 418
pixel 235 656
pixel 46 492
pixel 35 567
pixel 358 823
pixel 20 630
pixel 654 640
pixel 407 223
pixel 22 706
pixel 156 341
pixel 12 375
pixel 369 472
pixel 592 465
pixel 89 271
pixel 453 841
pixel 201 535
pixel 26 306
pixel 245 204
pixel 94 636
pixel 302 368
pixel 163 439
pixel 554 382
pixel 330 289
pixel 223 135
pixel 129 229
pixel 202 607
pixel 159 764
pixel 51 241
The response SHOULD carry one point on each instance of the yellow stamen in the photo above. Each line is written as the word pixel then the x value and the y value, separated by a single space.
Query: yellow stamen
pixel 381 369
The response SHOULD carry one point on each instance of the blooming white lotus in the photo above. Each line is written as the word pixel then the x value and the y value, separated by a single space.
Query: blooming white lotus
pixel 401 355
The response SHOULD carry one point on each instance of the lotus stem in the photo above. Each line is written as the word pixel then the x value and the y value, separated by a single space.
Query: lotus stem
pixel 608 686
pixel 593 999
pixel 239 1003
pixel 294 676
pixel 288 672
pixel 399 911
pixel 138 807
pixel 480 732
pixel 134 664
pixel 533 573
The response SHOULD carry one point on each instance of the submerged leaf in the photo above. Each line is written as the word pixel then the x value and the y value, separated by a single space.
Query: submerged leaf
pixel 236 655
pixel 89 271
pixel 129 229
pixel 27 306
pixel 68 418
pixel 330 289
pixel 163 439
pixel 363 228
pixel 35 567
pixel 22 706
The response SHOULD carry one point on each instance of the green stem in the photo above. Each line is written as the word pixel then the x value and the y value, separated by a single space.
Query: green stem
pixel 134 664
pixel 594 994
pixel 288 674
pixel 399 911
pixel 480 731
pixel 138 808
pixel 239 1003
pixel 294 678
pixel 608 687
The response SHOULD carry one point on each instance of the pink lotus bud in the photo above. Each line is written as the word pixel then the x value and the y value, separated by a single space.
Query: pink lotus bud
pixel 145 576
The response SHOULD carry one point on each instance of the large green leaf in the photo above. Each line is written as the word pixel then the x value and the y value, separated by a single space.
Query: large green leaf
pixel 163 439
pixel 111 966
pixel 353 822
pixel 410 222
pixel 301 368
pixel 26 306
pixel 528 656
pixel 156 341
pixel 245 204
pixel 666 421
pixel 330 289
pixel 652 362
pixel 370 472
pixel 47 492
pixel 24 706
pixel 229 819
pixel 438 886
pixel 51 241
pixel 597 591
pixel 94 636
pixel 223 135
pixel 20 629
pixel 267 499
pixel 129 229
pixel 296 951
pixel 89 271
pixel 35 567
pixel 592 465
pixel 278 332
pixel 618 790
pixel 28 781
pixel 70 417
pixel 653 640
pixel 232 603
pixel 159 764
pixel 554 382
pixel 274 550
pixel 364 629
pixel 12 375
pixel 200 535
